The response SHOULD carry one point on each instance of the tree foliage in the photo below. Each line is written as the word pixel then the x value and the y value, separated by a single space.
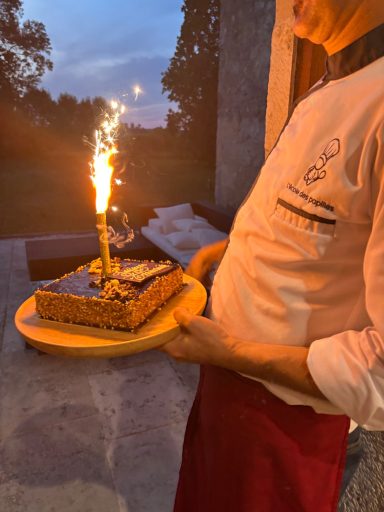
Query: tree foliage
pixel 40 123
pixel 191 79
pixel 36 126
pixel 24 51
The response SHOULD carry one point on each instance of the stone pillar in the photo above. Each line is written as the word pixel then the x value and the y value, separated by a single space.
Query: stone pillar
pixel 282 73
pixel 245 44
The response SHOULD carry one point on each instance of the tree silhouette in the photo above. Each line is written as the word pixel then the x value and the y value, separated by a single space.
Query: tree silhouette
pixel 65 115
pixel 24 51
pixel 39 107
pixel 191 79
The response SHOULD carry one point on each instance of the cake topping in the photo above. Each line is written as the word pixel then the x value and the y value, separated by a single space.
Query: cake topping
pixel 128 279
pixel 132 271
pixel 140 272
pixel 114 290
pixel 95 267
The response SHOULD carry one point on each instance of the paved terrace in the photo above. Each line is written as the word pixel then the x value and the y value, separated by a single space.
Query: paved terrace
pixel 103 435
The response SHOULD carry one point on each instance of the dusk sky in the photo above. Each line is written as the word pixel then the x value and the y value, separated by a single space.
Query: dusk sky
pixel 104 48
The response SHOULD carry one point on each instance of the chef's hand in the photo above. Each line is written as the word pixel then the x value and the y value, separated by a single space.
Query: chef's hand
pixel 202 262
pixel 200 341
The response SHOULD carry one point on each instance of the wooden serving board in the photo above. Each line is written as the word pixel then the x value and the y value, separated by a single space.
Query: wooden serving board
pixel 82 341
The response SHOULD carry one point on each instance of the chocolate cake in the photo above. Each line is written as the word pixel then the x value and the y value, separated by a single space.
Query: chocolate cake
pixel 123 300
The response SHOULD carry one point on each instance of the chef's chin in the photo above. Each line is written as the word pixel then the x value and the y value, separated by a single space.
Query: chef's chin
pixel 302 22
pixel 299 28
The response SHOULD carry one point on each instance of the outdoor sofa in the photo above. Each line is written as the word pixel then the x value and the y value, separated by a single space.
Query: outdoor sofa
pixel 181 230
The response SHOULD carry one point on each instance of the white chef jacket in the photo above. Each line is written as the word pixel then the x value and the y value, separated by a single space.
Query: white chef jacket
pixel 305 261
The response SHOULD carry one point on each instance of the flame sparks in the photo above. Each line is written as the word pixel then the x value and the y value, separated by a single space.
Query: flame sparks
pixel 101 175
pixel 105 148
pixel 137 90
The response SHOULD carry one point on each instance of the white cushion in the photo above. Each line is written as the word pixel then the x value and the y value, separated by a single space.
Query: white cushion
pixel 183 240
pixel 167 215
pixel 183 256
pixel 156 225
pixel 189 224
pixel 197 217
pixel 209 236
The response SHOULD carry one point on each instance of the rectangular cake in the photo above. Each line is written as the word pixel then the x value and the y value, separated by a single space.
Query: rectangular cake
pixel 124 300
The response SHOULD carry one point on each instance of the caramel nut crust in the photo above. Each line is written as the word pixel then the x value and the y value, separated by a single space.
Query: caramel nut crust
pixel 118 306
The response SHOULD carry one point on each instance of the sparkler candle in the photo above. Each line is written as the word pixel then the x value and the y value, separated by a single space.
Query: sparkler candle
pixel 102 171
pixel 101 225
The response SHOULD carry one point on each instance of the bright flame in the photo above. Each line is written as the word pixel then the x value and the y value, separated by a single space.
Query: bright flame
pixel 137 90
pixel 101 166
pixel 102 174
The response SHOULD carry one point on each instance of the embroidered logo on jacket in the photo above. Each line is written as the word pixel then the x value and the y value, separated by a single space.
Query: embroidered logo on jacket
pixel 317 171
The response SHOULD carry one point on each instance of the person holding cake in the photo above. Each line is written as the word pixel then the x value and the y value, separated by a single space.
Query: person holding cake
pixel 293 346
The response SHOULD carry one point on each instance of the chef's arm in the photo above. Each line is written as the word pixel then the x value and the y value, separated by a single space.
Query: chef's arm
pixel 277 364
pixel 202 262
pixel 203 341
pixel 349 366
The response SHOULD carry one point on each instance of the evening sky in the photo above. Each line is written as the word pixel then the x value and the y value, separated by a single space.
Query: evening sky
pixel 104 48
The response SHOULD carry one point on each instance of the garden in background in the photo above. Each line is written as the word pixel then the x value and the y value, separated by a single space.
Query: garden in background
pixel 45 143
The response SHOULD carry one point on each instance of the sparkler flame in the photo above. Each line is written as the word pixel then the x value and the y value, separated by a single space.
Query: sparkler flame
pixel 101 178
pixel 101 175
pixel 105 148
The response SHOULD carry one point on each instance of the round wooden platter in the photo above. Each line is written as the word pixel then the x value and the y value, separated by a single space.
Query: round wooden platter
pixel 82 341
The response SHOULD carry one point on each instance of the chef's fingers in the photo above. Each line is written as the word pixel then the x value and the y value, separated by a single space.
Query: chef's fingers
pixel 196 325
pixel 183 317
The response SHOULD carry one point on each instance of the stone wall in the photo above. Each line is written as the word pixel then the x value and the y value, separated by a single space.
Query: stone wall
pixel 245 44
pixel 281 74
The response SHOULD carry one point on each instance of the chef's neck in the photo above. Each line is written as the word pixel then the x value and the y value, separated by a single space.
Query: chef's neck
pixel 368 15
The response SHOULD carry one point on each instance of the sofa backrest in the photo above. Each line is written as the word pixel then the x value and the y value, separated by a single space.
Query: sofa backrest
pixel 216 215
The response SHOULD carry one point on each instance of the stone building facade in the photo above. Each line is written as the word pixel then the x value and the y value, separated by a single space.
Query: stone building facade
pixel 262 69
pixel 245 44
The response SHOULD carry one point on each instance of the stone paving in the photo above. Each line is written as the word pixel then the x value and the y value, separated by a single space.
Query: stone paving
pixel 104 435
pixel 85 435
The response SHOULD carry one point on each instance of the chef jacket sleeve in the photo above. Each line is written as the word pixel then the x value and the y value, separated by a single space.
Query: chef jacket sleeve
pixel 349 367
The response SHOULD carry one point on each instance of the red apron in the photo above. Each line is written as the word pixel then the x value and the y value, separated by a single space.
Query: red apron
pixel 245 450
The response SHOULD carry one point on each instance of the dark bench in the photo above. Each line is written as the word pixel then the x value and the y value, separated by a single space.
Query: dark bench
pixel 52 258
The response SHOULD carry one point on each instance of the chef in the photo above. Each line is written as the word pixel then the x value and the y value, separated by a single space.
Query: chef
pixel 293 348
